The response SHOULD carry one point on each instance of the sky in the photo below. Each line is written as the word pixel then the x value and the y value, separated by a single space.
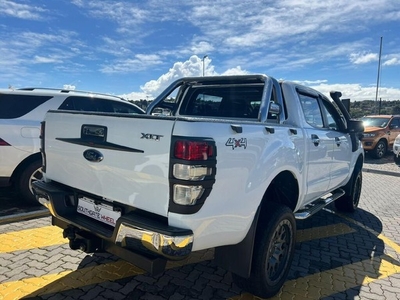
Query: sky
pixel 136 48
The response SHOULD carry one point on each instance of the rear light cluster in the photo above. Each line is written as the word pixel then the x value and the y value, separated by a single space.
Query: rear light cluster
pixel 3 143
pixel 193 168
pixel 42 135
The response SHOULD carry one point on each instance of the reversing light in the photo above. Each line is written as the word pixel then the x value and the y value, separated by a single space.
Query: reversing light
pixel 187 195
pixel 193 150
pixel 190 172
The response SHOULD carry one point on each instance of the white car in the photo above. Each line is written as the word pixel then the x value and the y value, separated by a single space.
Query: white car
pixel 22 110
pixel 396 150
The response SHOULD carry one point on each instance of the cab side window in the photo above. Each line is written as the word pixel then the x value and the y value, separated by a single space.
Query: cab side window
pixel 395 124
pixel 319 112
pixel 311 110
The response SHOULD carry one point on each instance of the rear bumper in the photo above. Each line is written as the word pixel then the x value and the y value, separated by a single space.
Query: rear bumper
pixel 135 234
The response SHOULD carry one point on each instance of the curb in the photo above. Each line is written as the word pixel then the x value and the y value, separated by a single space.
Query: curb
pixel 24 216
pixel 382 172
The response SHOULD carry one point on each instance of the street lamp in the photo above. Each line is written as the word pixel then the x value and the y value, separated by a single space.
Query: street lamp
pixel 204 57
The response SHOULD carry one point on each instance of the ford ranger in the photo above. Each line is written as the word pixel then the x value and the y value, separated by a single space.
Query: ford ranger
pixel 226 162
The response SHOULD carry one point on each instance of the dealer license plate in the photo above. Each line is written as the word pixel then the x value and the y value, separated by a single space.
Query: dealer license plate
pixel 101 212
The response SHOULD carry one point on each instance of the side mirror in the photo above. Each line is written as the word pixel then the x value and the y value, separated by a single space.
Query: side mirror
pixel 355 126
pixel 274 112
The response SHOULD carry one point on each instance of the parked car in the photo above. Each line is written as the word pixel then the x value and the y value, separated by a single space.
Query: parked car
pixel 396 150
pixel 22 110
pixel 380 133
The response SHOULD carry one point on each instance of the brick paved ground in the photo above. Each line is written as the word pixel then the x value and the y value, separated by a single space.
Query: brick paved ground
pixel 337 257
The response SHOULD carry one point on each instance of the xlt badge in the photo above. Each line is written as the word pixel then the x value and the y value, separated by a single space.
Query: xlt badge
pixel 151 136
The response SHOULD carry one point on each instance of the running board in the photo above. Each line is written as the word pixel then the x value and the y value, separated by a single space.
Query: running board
pixel 317 205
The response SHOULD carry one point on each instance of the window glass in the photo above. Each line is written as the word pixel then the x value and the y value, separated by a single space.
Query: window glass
pixel 311 110
pixel 395 123
pixel 329 112
pixel 15 106
pixel 220 101
pixel 96 104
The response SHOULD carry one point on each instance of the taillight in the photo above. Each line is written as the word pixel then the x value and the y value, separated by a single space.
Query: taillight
pixel 193 168
pixel 4 143
pixel 193 150
pixel 42 135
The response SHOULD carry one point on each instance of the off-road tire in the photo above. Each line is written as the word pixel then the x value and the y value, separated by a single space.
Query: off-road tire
pixel 349 201
pixel 29 174
pixel 380 149
pixel 273 252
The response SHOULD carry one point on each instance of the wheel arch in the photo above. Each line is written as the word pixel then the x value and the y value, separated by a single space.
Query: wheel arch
pixel 283 189
pixel 23 164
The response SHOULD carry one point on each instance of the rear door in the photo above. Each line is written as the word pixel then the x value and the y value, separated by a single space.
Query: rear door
pixel 114 156
pixel 320 145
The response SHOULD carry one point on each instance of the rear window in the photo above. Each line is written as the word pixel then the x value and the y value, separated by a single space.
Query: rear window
pixel 220 101
pixel 98 105
pixel 15 106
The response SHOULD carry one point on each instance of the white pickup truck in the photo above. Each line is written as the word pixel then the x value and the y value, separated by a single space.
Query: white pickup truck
pixel 230 164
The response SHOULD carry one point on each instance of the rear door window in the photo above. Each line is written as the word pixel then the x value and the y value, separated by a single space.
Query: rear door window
pixel 15 106
pixel 98 105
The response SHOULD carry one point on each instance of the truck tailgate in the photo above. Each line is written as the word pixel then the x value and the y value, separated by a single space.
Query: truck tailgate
pixel 117 157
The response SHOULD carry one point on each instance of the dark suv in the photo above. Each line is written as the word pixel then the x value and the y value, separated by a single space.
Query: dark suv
pixel 21 112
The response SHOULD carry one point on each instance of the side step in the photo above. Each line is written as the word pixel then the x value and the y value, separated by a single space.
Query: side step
pixel 317 205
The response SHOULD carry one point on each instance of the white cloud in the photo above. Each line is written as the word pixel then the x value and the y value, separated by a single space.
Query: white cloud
pixel 235 71
pixel 356 92
pixel 139 63
pixel 363 58
pixel 21 11
pixel 69 87
pixel 193 67
pixel 46 60
pixel 392 62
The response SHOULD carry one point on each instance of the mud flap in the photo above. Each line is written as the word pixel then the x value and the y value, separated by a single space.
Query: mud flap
pixel 238 258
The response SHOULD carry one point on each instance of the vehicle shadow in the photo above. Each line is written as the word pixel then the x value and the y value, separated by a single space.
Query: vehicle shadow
pixel 337 265
pixel 335 254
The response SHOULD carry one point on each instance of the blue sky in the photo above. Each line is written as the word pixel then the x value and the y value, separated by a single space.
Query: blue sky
pixel 136 48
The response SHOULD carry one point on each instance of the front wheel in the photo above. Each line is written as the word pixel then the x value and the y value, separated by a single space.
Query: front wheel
pixel 380 149
pixel 273 252
pixel 31 173
pixel 349 201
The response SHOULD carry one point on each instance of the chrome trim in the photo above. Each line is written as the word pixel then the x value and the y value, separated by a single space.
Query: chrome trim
pixel 168 246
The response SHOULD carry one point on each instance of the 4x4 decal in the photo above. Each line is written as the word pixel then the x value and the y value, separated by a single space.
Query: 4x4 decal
pixel 234 143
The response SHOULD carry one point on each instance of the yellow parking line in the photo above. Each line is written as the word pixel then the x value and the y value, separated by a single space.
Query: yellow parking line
pixel 316 285
pixel 31 238
pixel 53 283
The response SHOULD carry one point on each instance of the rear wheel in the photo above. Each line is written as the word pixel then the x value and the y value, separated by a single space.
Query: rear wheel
pixel 31 173
pixel 380 149
pixel 349 201
pixel 273 252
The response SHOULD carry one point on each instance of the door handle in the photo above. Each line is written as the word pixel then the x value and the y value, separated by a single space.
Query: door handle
pixel 338 141
pixel 315 139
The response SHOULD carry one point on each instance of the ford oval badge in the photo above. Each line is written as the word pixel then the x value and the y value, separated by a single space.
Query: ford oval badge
pixel 93 155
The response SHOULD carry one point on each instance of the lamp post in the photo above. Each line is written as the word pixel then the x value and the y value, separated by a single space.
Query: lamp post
pixel 204 57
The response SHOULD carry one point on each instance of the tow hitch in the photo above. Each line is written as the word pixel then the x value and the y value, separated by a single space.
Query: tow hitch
pixel 82 240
